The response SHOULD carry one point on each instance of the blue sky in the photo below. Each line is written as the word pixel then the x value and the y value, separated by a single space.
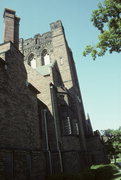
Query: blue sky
pixel 100 80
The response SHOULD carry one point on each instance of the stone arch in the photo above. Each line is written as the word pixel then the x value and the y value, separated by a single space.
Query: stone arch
pixel 32 60
pixel 45 58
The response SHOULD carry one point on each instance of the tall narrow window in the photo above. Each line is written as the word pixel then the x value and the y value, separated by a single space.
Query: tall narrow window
pixel 75 127
pixel 32 61
pixel 67 126
pixel 36 40
pixel 45 57
pixel 61 60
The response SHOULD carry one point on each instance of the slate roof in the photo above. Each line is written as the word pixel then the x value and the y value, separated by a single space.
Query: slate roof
pixel 44 70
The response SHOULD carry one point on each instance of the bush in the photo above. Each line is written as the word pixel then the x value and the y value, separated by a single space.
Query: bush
pixel 96 172
pixel 88 175
pixel 104 171
pixel 113 166
pixel 65 177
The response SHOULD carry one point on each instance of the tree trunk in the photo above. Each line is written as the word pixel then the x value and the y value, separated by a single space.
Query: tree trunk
pixel 114 159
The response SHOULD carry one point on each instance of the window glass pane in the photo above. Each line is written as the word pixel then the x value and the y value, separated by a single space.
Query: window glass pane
pixel 46 59
pixel 67 126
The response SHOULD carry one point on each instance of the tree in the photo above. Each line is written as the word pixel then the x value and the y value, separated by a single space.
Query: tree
pixel 107 18
pixel 112 142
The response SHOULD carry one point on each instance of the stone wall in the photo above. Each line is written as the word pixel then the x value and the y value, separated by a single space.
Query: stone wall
pixel 96 150
pixel 20 136
pixel 21 165
pixel 18 105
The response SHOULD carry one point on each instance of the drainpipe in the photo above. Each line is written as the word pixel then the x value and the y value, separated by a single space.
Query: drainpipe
pixel 55 117
pixel 47 142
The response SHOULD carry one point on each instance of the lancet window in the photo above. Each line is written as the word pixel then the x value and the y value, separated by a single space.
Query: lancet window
pixel 45 57
pixel 32 61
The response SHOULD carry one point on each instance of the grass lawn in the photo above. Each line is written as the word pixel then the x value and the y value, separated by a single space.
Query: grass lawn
pixel 117 176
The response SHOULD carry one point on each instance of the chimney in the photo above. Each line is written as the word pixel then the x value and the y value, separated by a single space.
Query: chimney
pixel 11 32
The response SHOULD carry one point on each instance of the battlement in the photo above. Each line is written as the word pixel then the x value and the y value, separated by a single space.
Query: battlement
pixel 45 36
pixel 56 25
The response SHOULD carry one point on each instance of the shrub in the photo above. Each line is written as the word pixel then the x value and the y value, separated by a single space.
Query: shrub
pixel 88 175
pixel 65 177
pixel 103 171
pixel 96 172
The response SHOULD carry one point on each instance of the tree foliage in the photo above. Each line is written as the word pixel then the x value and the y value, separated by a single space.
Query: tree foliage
pixel 107 19
pixel 112 142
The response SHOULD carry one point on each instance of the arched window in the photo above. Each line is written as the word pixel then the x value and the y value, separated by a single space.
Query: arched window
pixel 45 57
pixel 32 61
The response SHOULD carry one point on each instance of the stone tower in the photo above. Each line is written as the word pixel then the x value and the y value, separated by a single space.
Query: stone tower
pixel 51 69
pixel 50 56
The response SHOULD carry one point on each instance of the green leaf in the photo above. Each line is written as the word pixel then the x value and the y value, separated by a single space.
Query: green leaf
pixel 107 19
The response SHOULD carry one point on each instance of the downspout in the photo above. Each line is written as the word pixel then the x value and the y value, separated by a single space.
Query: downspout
pixel 55 117
pixel 47 142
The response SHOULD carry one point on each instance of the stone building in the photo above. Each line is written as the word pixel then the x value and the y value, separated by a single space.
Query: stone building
pixel 43 127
